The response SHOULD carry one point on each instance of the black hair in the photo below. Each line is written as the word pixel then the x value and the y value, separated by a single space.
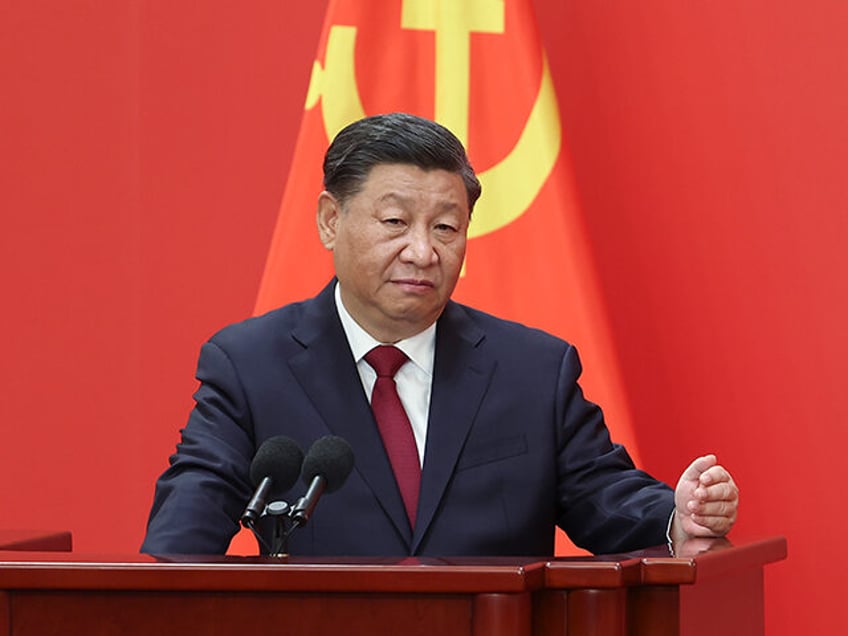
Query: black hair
pixel 394 138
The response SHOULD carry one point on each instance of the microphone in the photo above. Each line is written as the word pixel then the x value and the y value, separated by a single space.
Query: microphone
pixel 325 469
pixel 274 470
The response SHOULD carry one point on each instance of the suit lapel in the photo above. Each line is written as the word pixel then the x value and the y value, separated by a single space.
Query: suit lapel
pixel 461 374
pixel 327 373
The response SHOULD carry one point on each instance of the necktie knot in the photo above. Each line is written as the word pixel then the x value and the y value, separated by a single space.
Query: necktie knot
pixel 385 360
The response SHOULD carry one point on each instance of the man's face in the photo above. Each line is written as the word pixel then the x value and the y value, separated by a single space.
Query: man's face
pixel 398 247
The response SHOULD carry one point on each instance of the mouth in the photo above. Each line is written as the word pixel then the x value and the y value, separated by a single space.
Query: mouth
pixel 414 284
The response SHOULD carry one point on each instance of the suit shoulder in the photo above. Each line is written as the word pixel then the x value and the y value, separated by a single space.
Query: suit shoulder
pixel 503 330
pixel 260 330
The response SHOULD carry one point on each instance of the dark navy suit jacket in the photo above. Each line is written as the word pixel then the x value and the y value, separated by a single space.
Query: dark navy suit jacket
pixel 512 450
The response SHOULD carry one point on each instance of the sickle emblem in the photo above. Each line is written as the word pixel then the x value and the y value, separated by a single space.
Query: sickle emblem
pixel 512 184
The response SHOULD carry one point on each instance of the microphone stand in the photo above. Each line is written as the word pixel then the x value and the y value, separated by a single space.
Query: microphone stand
pixel 280 511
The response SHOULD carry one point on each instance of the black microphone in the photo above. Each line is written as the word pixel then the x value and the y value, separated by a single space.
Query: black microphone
pixel 274 470
pixel 325 469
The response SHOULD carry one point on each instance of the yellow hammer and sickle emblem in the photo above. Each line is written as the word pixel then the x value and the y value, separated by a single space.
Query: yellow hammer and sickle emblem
pixel 512 184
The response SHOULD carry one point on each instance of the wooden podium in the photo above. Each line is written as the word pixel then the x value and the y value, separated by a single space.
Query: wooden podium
pixel 655 593
pixel 650 592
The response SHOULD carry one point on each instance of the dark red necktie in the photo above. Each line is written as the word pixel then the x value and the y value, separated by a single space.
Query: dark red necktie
pixel 394 425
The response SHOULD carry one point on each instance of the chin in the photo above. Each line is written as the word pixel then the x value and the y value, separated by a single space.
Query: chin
pixel 417 316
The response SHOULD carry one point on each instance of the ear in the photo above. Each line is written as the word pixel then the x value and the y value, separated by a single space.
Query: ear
pixel 329 210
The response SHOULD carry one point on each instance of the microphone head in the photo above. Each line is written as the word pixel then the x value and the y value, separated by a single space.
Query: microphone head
pixel 330 457
pixel 279 458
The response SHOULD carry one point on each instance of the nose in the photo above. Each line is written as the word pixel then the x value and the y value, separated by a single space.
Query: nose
pixel 419 249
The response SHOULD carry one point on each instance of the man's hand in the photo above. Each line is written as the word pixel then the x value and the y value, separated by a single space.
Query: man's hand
pixel 706 501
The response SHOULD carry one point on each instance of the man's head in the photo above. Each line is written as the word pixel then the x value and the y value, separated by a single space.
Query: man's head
pixel 394 138
pixel 395 210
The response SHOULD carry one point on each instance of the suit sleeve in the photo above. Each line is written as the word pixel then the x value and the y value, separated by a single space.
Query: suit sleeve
pixel 606 505
pixel 200 497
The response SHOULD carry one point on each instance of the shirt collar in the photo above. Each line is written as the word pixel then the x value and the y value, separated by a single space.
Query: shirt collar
pixel 420 348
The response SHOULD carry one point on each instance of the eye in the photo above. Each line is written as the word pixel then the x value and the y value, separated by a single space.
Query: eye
pixel 446 227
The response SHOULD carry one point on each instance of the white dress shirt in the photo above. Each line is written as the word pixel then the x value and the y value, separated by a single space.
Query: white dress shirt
pixel 414 379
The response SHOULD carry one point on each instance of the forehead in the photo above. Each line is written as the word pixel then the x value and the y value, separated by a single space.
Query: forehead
pixel 400 180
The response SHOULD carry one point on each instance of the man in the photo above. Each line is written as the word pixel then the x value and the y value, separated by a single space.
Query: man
pixel 505 445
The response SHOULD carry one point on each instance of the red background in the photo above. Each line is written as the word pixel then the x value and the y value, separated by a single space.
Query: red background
pixel 144 151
